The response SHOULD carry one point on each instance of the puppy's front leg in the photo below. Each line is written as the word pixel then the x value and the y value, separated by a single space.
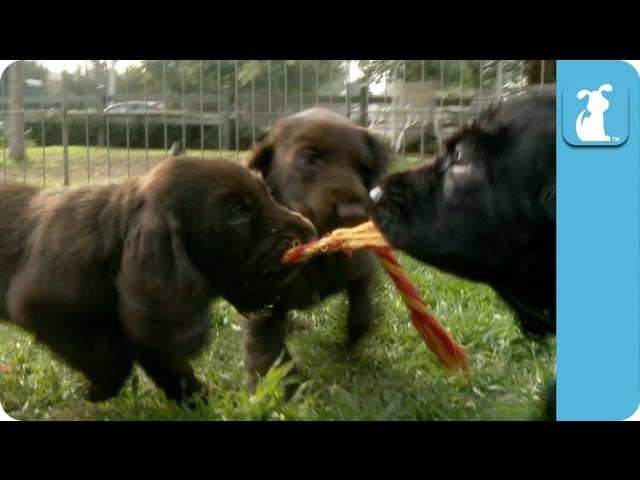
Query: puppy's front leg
pixel 262 343
pixel 360 310
pixel 172 373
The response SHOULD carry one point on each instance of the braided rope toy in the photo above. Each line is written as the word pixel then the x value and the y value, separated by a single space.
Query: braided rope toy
pixel 366 235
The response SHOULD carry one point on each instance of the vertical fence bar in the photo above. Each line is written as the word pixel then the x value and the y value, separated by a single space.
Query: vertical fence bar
pixel 164 98
pixel 86 123
pixel 146 115
pixel 269 89
pixel 286 87
pixel 220 119
pixel 347 81
pixel 395 106
pixel 126 120
pixel 499 68
pixel 315 62
pixel 253 102
pixel 301 86
pixel 4 147
pixel 441 84
pixel 426 107
pixel 521 79
pixel 480 72
pixel 405 107
pixel 183 147
pixel 202 110
pixel 461 92
pixel 386 97
pixel 65 131
pixel 441 115
pixel 107 135
pixel 237 114
pixel 24 155
pixel 331 84
pixel 42 127
pixel 542 65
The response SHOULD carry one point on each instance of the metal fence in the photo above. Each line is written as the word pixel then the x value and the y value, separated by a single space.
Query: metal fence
pixel 98 123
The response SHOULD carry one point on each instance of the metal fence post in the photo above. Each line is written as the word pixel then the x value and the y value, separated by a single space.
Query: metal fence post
pixel 65 134
pixel 225 118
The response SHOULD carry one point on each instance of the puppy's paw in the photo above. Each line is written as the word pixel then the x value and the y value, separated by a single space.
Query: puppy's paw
pixel 289 377
pixel 193 394
pixel 355 333
pixel 194 400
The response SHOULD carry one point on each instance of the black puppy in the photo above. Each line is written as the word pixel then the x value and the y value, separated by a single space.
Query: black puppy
pixel 108 275
pixel 485 209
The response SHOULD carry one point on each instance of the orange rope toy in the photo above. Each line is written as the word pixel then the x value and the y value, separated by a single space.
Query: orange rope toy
pixel 366 235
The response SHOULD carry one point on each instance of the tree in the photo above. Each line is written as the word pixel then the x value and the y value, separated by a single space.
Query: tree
pixel 174 76
pixel 418 70
pixel 447 71
pixel 16 119
pixel 30 70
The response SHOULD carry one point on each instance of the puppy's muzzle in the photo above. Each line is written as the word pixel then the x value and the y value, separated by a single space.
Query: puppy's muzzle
pixel 351 213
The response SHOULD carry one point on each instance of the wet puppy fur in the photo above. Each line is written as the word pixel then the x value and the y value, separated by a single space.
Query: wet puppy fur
pixel 485 209
pixel 321 165
pixel 108 275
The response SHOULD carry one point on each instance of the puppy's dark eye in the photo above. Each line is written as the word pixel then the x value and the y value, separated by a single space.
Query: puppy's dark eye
pixel 239 212
pixel 310 159
pixel 458 156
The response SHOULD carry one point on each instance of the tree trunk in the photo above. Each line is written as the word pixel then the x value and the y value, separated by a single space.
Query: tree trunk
pixel 16 106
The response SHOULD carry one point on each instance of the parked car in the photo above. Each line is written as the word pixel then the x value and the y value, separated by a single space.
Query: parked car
pixel 134 106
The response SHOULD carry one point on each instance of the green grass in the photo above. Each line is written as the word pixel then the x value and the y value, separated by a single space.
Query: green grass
pixel 96 165
pixel 391 375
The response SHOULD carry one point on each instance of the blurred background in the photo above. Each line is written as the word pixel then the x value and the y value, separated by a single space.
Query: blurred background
pixel 95 121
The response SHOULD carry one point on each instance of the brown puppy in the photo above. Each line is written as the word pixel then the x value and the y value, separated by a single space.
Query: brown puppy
pixel 106 275
pixel 322 165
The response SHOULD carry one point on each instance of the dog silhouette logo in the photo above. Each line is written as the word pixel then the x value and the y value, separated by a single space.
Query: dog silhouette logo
pixel 591 128
pixel 595 113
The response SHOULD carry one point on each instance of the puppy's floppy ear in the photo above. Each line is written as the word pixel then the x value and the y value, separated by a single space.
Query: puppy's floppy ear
pixel 260 157
pixel 158 286
pixel 380 153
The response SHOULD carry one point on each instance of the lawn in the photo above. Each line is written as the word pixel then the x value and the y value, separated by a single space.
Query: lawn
pixel 45 167
pixel 391 375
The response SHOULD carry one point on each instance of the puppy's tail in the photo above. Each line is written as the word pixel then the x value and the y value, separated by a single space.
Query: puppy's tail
pixel 579 131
